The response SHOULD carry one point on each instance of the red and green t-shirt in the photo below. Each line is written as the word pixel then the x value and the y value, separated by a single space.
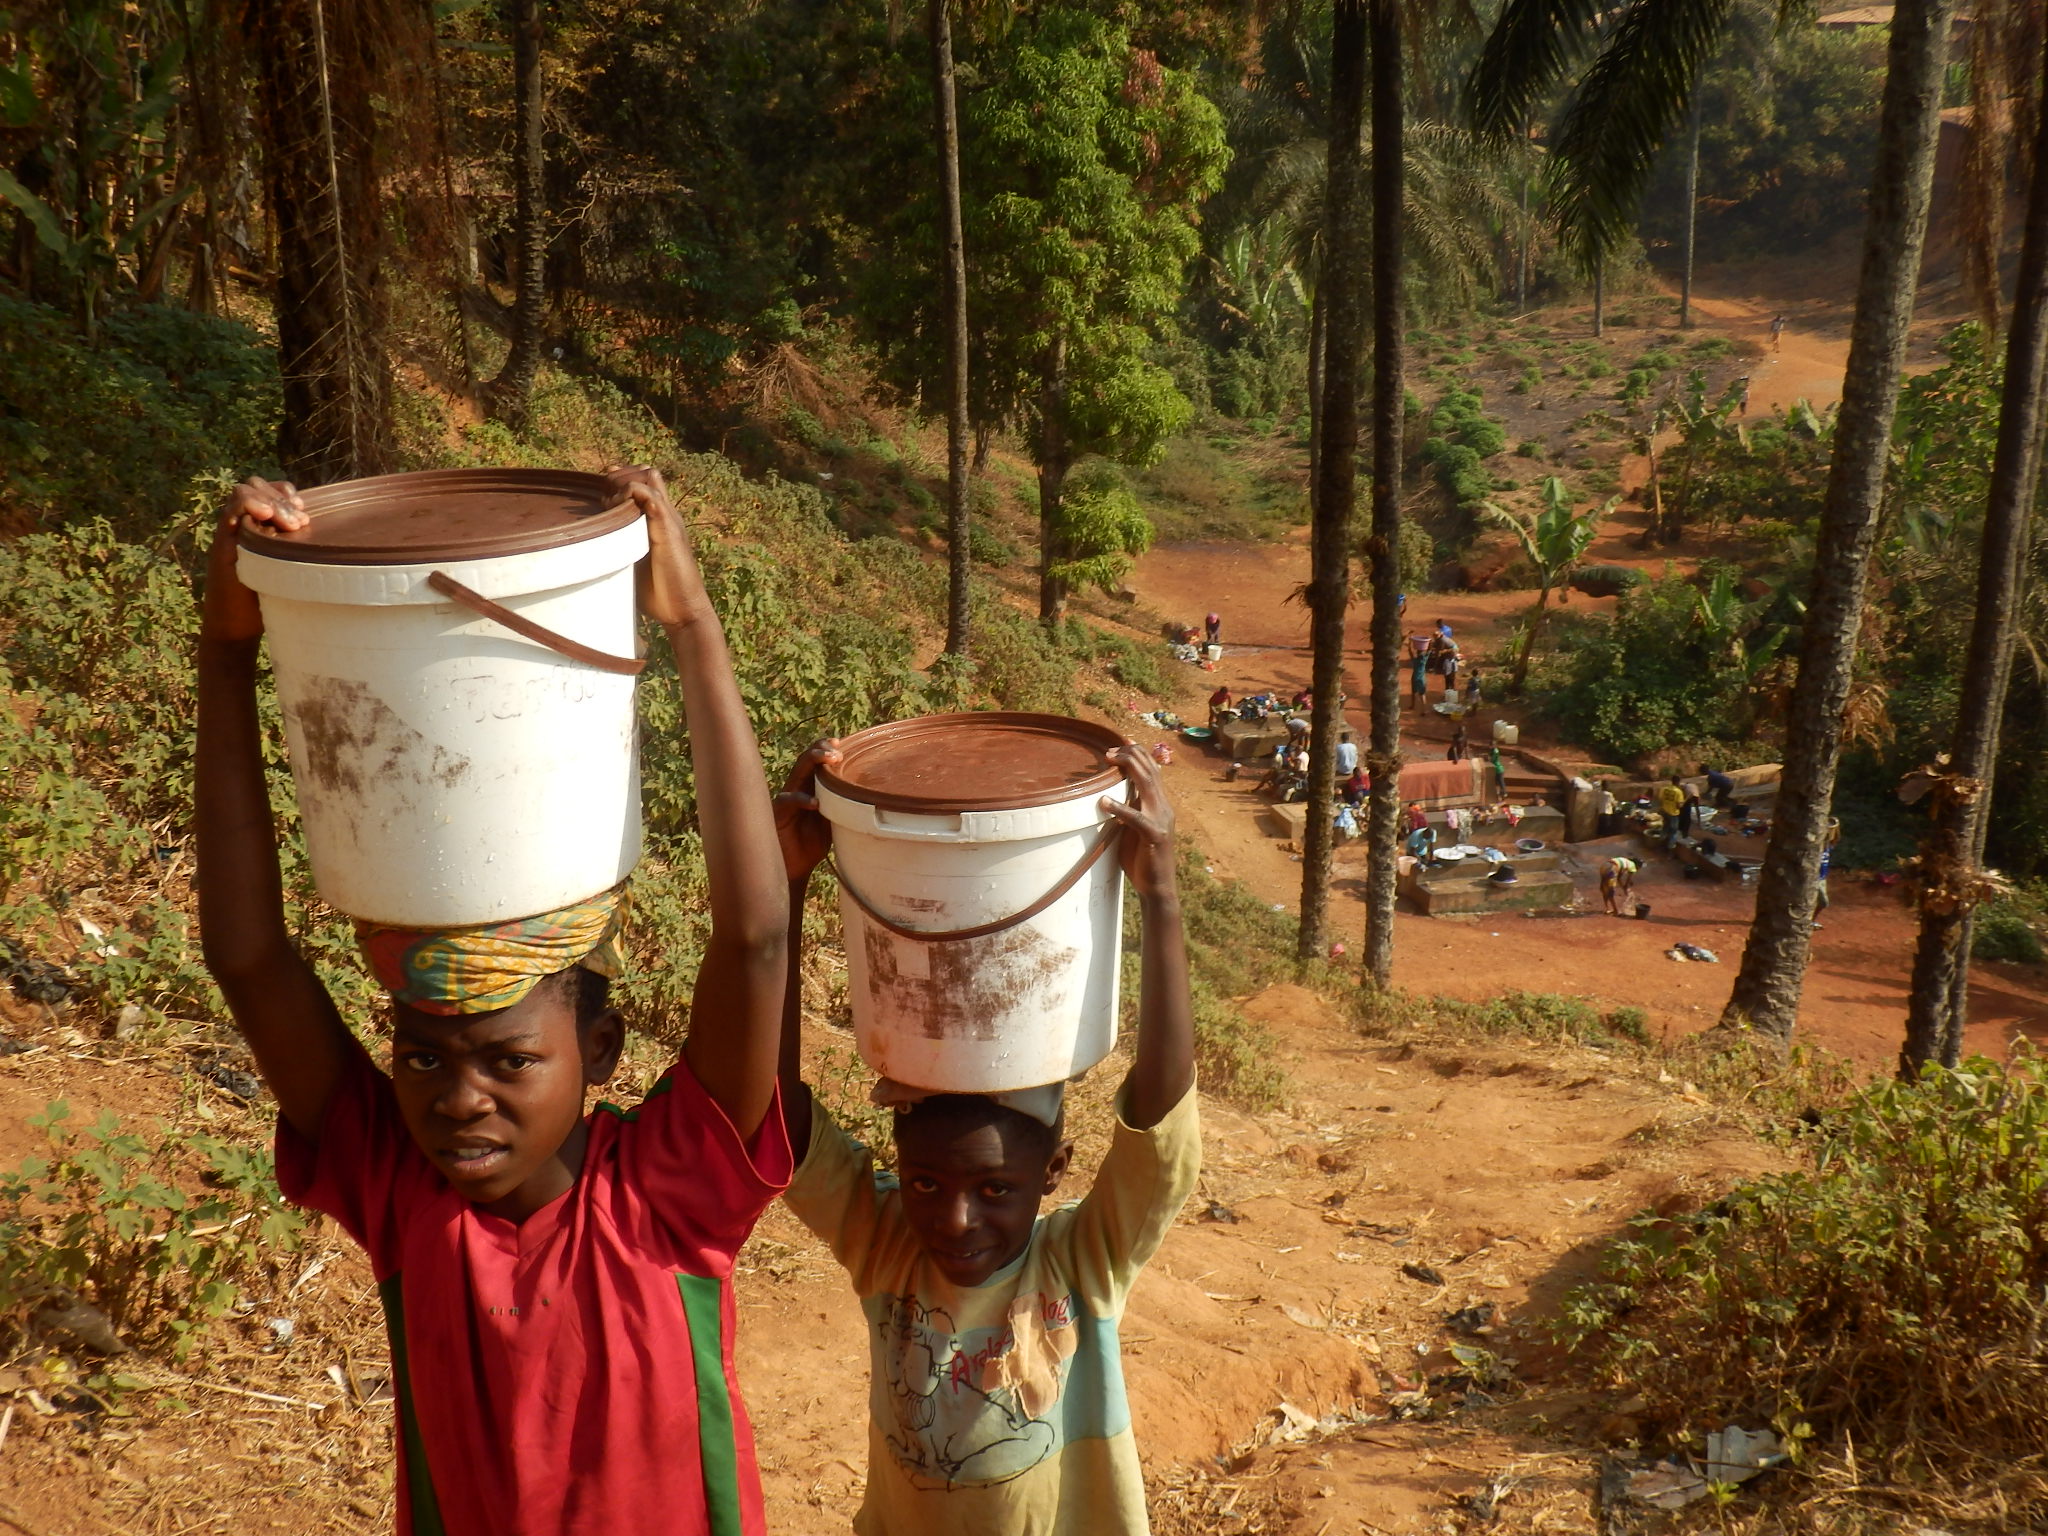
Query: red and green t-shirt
pixel 572 1372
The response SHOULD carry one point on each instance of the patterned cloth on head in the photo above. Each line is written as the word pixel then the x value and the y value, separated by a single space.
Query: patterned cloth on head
pixel 493 965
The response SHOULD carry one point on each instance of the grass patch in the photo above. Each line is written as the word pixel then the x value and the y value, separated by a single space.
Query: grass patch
pixel 1224 486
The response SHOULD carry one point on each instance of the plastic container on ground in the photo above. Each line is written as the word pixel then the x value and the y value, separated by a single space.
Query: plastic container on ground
pixel 449 770
pixel 1506 733
pixel 945 830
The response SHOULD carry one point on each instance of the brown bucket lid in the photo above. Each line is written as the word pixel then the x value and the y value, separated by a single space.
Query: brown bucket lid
pixel 447 514
pixel 984 761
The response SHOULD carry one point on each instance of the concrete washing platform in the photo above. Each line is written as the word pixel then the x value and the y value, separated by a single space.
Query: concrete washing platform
pixel 1465 886
pixel 1543 822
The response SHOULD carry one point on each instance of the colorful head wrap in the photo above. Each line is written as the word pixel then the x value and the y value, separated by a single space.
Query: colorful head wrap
pixel 493 965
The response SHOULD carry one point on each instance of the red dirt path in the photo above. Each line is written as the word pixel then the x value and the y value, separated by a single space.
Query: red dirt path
pixel 1855 992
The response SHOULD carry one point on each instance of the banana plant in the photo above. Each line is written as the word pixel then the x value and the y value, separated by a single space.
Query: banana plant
pixel 1555 540
pixel 1731 625
pixel 109 88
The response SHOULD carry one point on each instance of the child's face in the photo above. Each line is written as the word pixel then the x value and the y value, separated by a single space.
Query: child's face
pixel 971 1192
pixel 496 1099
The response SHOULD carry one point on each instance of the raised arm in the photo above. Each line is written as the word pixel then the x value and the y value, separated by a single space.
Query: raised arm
pixel 300 1044
pixel 806 838
pixel 1165 1067
pixel 736 1010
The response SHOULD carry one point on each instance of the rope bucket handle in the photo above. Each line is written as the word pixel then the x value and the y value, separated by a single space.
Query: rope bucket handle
pixel 1105 839
pixel 575 650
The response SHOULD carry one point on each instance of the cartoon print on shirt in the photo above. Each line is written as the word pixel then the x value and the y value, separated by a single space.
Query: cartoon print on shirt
pixel 977 1406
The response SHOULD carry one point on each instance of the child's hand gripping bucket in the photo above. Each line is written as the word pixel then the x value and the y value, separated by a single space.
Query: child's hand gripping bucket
pixel 982 897
pixel 454 653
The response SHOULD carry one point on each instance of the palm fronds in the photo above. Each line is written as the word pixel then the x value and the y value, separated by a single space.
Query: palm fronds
pixel 1533 46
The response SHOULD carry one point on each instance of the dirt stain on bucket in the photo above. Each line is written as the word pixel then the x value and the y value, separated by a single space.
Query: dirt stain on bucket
pixel 967 985
pixel 348 732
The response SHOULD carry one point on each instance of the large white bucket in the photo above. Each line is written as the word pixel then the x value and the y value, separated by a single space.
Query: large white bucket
pixel 946 830
pixel 449 770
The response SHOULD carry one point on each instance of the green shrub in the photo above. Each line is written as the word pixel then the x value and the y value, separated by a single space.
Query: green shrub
pixel 1460 470
pixel 804 428
pixel 2001 933
pixel 987 548
pixel 1529 448
pixel 104 1219
pixel 1633 682
pixel 1889 1291
pixel 120 430
pixel 1135 666
pixel 1460 418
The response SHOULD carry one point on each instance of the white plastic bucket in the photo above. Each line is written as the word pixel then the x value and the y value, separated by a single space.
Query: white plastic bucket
pixel 1506 733
pixel 1027 1003
pixel 450 771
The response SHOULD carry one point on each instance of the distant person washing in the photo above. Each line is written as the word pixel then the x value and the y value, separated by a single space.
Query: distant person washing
pixel 1618 885
pixel 1212 626
pixel 1418 681
pixel 1458 752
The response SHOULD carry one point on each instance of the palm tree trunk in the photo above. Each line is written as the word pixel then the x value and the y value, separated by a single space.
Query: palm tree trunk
pixel 1341 284
pixel 1522 243
pixel 1949 856
pixel 1389 319
pixel 1692 208
pixel 1766 992
pixel 1318 333
pixel 511 393
pixel 316 76
pixel 1055 458
pixel 1600 297
pixel 947 122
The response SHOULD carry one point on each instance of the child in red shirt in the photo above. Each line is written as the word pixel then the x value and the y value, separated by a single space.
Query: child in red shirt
pixel 556 1287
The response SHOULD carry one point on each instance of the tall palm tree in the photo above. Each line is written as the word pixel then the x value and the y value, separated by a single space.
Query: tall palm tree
pixel 1765 996
pixel 321 69
pixel 1339 290
pixel 946 122
pixel 511 392
pixel 1389 321
pixel 1951 882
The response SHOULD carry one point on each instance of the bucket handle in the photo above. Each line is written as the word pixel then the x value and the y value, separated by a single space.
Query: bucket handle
pixel 1104 840
pixel 575 650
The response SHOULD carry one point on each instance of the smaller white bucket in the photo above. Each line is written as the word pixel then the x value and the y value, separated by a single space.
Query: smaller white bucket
pixel 964 976
pixel 450 770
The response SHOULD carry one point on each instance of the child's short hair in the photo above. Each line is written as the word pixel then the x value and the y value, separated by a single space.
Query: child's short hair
pixel 586 992
pixel 969 1111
